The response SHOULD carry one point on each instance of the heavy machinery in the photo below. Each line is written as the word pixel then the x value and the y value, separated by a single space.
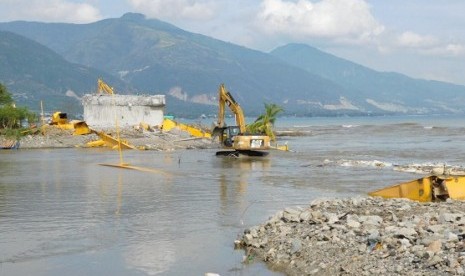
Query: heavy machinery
pixel 197 132
pixel 60 120
pixel 235 138
pixel 103 87
pixel 435 187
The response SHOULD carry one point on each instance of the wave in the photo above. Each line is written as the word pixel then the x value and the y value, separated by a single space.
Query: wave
pixel 358 163
pixel 417 168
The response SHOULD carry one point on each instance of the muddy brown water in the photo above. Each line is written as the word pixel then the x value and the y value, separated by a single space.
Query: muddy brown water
pixel 61 213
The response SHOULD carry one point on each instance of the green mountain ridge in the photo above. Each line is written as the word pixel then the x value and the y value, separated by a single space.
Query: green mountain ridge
pixel 149 56
pixel 35 73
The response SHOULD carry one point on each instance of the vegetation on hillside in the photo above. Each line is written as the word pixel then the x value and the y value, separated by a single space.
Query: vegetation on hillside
pixel 11 117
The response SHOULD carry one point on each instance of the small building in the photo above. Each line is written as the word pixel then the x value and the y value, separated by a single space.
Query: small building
pixel 102 110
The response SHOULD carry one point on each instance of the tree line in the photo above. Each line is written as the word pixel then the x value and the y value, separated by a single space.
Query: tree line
pixel 11 116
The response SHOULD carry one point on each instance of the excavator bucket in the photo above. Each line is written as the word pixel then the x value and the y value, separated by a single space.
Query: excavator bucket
pixel 81 128
pixel 426 189
pixel 217 131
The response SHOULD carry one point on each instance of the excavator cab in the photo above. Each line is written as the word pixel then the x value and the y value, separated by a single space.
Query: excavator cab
pixel 228 135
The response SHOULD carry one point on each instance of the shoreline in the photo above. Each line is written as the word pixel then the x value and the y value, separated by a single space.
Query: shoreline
pixel 362 236
pixel 145 140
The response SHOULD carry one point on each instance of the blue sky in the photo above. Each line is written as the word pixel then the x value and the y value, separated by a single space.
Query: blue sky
pixel 419 38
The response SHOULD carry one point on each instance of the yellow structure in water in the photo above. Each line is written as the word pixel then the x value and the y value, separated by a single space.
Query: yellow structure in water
pixel 426 189
pixel 109 141
pixel 169 124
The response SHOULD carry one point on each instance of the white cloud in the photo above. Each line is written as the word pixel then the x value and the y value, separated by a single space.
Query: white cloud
pixel 176 9
pixel 446 50
pixel 428 45
pixel 338 19
pixel 49 11
pixel 414 40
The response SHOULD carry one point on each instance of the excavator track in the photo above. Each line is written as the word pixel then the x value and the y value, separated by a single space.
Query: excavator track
pixel 242 153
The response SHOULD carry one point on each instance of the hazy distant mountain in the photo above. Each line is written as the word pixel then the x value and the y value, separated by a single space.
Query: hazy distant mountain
pixel 153 57
pixel 391 92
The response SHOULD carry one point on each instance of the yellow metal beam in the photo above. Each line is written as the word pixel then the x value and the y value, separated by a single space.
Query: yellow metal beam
pixel 426 189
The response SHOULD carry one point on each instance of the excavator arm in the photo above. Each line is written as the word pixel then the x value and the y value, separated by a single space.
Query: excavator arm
pixel 103 87
pixel 225 98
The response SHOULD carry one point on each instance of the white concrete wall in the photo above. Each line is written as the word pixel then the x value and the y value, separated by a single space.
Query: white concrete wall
pixel 103 110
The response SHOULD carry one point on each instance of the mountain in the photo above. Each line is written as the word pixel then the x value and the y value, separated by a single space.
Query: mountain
pixel 391 92
pixel 35 73
pixel 150 56
pixel 155 57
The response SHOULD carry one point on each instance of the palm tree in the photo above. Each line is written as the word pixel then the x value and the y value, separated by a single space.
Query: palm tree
pixel 265 122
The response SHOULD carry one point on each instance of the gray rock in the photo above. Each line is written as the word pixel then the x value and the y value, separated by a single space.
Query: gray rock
pixel 450 217
pixel 331 218
pixel 401 231
pixel 305 215
pixel 451 237
pixel 371 220
pixel 296 246
pixel 291 214
pixel 437 228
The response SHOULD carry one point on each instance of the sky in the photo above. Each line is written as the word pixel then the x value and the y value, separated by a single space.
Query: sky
pixel 420 38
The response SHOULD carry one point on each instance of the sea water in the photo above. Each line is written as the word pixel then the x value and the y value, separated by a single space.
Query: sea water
pixel 62 213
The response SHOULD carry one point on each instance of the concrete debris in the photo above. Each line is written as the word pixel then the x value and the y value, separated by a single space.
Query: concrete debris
pixel 103 110
pixel 148 140
pixel 362 236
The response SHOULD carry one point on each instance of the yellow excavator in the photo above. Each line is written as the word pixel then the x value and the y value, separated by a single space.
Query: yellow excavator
pixel 235 139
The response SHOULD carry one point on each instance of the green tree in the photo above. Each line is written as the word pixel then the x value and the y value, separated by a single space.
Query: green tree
pixel 5 97
pixel 265 122
pixel 10 115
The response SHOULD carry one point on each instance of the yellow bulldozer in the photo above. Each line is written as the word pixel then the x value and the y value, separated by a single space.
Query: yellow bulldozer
pixel 60 120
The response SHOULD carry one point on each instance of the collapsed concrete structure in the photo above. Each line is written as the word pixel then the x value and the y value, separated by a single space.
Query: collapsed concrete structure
pixel 102 110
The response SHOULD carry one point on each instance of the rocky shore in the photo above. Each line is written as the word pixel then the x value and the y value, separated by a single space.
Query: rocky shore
pixel 362 236
pixel 148 140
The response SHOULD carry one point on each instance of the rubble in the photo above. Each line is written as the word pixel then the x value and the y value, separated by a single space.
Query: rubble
pixel 148 140
pixel 362 236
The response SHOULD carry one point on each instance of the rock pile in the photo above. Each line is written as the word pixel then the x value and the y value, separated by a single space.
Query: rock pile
pixel 362 236
pixel 149 140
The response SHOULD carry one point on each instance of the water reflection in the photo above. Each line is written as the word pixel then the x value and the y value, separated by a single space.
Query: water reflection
pixel 141 221
pixel 235 177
